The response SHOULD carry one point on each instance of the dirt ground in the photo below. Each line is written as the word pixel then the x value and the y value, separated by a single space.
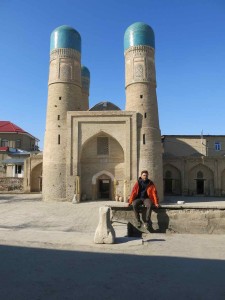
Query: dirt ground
pixel 47 252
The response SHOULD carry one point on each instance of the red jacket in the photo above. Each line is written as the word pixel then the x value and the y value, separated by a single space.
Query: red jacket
pixel 151 192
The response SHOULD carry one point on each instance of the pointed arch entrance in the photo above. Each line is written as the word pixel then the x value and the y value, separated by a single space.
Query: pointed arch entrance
pixel 172 180
pixel 36 179
pixel 101 161
pixel 201 181
pixel 102 185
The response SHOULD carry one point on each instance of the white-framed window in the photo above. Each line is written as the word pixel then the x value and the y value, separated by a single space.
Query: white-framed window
pixel 217 146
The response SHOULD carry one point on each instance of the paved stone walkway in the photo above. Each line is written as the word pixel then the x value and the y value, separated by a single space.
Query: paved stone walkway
pixel 47 252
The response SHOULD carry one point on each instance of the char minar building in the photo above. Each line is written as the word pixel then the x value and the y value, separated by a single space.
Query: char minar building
pixel 98 153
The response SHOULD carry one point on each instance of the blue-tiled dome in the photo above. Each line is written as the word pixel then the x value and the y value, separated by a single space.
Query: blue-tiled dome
pixel 139 34
pixel 65 37
pixel 85 72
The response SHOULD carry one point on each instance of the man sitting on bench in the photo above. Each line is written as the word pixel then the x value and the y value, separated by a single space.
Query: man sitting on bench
pixel 143 192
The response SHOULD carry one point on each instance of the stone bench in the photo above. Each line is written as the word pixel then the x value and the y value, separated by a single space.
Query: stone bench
pixel 175 219
pixel 166 219
pixel 126 215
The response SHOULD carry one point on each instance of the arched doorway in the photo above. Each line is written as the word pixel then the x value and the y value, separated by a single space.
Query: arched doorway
pixel 102 186
pixel 168 183
pixel 101 160
pixel 172 180
pixel 201 181
pixel 36 179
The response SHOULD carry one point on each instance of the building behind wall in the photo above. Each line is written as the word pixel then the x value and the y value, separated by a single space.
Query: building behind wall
pixel 16 145
pixel 13 136
pixel 194 165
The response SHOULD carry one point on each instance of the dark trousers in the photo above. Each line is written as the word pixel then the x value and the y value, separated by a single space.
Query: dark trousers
pixel 147 203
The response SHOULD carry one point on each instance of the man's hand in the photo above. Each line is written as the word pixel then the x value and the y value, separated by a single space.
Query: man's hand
pixel 127 204
pixel 157 205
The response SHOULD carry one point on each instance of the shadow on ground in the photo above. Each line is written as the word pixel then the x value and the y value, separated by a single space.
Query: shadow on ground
pixel 30 273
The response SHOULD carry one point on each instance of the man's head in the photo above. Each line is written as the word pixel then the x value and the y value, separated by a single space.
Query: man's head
pixel 144 175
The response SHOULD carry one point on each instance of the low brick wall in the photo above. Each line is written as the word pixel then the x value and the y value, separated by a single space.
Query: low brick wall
pixel 177 219
pixel 11 184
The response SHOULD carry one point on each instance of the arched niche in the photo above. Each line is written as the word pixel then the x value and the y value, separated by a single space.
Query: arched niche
pixel 99 167
pixel 172 180
pixel 201 181
pixel 36 178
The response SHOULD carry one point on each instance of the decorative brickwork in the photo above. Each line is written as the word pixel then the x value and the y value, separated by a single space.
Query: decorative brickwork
pixel 65 53
pixel 65 66
pixel 140 65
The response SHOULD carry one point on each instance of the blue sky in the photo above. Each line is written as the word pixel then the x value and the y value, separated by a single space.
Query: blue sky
pixel 190 58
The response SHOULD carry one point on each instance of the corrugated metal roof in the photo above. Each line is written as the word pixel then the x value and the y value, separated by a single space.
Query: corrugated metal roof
pixel 14 151
pixel 14 161
pixel 7 126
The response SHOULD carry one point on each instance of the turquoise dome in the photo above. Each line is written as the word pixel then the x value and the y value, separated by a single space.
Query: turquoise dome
pixel 139 34
pixel 85 72
pixel 65 37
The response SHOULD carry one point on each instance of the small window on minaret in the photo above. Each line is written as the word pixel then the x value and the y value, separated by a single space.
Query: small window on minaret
pixel 144 139
pixel 58 117
pixel 141 96
pixel 60 98
pixel 145 115
pixel 58 139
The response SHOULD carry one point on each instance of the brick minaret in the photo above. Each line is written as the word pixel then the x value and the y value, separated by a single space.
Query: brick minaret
pixel 64 94
pixel 140 84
